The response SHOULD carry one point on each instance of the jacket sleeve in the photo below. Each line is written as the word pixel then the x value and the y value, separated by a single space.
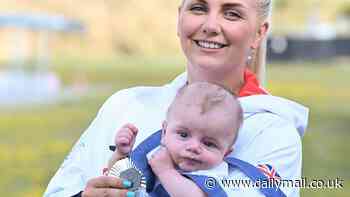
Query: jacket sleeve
pixel 77 167
pixel 268 139
pixel 279 145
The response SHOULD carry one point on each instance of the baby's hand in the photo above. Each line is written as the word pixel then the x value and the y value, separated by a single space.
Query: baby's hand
pixel 161 161
pixel 125 139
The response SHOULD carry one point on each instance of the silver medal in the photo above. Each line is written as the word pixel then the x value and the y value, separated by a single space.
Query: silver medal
pixel 126 169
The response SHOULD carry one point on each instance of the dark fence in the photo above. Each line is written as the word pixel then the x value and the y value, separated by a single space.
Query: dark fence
pixel 288 48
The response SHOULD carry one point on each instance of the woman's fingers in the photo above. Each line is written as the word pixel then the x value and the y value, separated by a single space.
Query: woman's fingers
pixel 108 192
pixel 107 186
pixel 108 182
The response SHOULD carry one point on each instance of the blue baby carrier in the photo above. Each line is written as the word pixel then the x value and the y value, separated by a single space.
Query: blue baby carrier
pixel 138 157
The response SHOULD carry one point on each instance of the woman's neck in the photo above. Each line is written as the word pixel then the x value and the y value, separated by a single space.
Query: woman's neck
pixel 232 81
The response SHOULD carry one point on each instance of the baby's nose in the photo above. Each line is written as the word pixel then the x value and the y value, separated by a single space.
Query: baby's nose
pixel 194 147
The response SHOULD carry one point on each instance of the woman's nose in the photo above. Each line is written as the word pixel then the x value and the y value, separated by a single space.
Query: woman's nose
pixel 211 25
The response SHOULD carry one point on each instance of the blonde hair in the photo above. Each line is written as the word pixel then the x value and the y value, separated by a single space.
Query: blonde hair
pixel 258 63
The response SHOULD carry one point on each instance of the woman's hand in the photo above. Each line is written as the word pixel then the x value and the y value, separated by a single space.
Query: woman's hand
pixel 161 161
pixel 107 186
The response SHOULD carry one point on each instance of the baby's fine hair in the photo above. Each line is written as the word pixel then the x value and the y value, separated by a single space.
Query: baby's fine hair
pixel 208 97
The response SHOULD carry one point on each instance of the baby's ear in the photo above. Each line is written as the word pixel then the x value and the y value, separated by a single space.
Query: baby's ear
pixel 229 151
pixel 164 126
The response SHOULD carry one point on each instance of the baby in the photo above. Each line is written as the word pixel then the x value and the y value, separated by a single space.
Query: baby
pixel 200 129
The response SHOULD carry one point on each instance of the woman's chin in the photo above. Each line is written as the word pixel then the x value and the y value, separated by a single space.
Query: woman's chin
pixel 209 64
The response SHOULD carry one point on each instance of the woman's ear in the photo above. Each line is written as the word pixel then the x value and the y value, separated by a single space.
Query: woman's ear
pixel 164 127
pixel 261 34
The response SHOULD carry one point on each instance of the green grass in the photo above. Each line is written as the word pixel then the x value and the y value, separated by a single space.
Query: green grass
pixel 324 88
pixel 34 140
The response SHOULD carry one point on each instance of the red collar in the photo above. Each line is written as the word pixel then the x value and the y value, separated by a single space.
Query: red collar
pixel 251 85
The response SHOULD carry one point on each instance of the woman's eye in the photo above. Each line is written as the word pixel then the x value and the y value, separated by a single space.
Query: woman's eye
pixel 198 9
pixel 232 15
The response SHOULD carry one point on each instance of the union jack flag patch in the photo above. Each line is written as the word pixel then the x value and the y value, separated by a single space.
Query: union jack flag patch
pixel 269 171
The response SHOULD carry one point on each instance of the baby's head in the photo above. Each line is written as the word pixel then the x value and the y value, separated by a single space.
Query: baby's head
pixel 201 126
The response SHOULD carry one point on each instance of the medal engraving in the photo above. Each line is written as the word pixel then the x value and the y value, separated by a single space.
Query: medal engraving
pixel 125 169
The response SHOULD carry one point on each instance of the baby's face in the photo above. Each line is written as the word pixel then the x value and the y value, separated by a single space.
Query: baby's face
pixel 198 142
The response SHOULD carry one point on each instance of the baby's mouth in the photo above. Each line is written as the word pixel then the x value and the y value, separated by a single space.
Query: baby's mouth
pixel 209 44
pixel 192 161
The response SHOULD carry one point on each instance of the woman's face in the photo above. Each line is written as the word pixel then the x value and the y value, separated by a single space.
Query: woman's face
pixel 219 34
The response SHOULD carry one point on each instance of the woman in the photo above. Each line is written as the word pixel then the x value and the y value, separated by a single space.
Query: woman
pixel 219 39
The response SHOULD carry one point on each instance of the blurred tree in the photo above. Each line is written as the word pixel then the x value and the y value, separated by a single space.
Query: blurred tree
pixel 343 19
pixel 280 4
pixel 344 10
pixel 119 45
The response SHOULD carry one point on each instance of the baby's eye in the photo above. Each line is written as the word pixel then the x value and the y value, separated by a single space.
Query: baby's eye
pixel 183 134
pixel 210 144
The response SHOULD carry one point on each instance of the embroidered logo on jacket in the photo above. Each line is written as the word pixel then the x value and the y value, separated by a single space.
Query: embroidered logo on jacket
pixel 269 171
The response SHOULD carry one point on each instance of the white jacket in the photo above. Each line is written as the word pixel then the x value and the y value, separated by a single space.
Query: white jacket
pixel 271 134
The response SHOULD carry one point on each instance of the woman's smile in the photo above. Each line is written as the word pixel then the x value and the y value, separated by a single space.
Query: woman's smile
pixel 207 44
